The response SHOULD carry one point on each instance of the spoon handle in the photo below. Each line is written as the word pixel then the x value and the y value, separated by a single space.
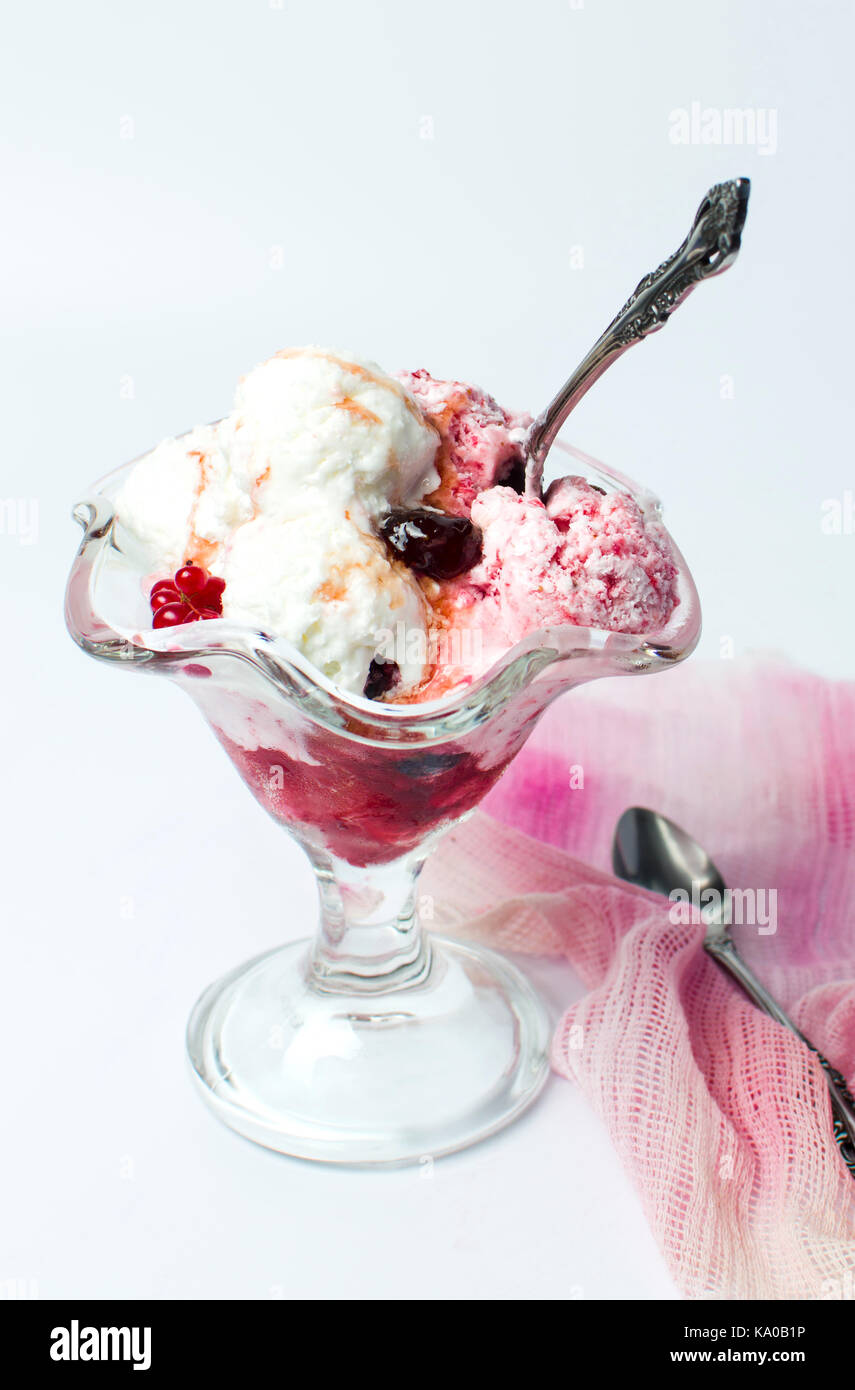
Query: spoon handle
pixel 710 247
pixel 842 1102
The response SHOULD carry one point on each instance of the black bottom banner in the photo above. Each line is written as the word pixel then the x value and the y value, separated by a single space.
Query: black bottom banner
pixel 153 1337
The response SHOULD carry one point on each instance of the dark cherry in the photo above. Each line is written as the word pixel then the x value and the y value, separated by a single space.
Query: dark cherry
pixel 432 543
pixel 382 677
pixel 515 477
pixel 423 765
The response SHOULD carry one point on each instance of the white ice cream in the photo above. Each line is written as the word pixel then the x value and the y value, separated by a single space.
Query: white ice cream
pixel 281 500
pixel 182 494
pixel 333 428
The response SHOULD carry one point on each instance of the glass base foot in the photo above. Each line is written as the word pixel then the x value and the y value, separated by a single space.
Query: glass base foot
pixel 395 1076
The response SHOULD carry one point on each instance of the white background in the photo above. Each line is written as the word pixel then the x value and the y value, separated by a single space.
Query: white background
pixel 189 186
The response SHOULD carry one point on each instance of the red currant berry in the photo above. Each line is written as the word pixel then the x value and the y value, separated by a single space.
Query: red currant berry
pixel 208 613
pixel 190 579
pixel 162 597
pixel 164 586
pixel 171 615
pixel 212 595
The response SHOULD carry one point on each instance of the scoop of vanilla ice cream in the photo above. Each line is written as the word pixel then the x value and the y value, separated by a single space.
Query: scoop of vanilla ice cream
pixel 280 499
pixel 309 421
pixel 327 586
pixel 181 494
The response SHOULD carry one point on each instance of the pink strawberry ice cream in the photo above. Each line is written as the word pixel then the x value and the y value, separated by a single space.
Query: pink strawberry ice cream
pixel 480 443
pixel 584 557
pixel 581 556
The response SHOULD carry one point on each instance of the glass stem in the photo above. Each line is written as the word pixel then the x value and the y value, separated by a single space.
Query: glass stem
pixel 369 939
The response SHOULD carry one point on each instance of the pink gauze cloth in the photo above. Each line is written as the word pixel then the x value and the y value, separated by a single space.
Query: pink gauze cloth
pixel 720 1115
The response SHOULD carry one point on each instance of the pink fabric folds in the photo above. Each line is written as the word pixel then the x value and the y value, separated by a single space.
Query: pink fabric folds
pixel 721 1116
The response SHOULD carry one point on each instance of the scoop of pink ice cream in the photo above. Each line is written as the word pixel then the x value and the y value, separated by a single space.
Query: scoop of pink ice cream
pixel 585 557
pixel 480 443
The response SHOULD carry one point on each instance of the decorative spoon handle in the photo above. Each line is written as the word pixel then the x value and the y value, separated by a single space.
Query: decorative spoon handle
pixel 710 247
pixel 722 949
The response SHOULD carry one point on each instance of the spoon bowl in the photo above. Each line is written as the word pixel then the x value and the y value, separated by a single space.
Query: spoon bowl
pixel 654 853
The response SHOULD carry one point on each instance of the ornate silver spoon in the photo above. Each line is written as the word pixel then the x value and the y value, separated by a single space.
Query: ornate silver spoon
pixel 711 246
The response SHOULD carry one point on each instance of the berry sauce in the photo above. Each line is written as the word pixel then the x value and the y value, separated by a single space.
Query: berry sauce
pixel 365 804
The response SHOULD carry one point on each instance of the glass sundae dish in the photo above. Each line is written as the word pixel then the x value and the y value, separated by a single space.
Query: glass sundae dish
pixel 362 586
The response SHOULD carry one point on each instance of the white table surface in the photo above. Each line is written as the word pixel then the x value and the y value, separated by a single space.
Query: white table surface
pixel 139 279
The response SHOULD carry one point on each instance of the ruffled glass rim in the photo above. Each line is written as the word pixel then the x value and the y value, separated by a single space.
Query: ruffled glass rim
pixel 296 680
